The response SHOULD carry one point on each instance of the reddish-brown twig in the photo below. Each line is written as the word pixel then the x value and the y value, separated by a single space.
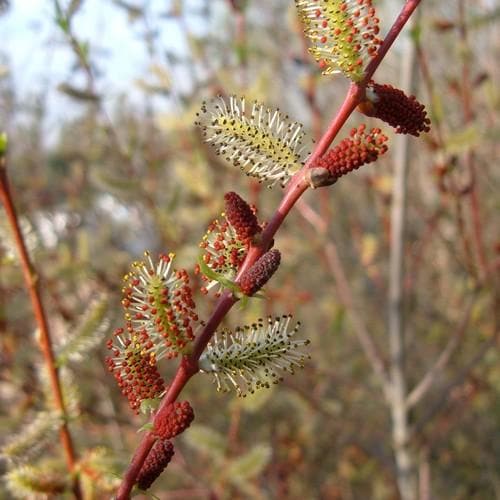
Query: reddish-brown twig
pixel 33 285
pixel 296 187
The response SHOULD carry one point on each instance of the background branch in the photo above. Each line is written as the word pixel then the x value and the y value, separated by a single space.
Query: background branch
pixel 32 280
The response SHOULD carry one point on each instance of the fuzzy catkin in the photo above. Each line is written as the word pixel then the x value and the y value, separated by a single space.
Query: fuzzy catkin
pixel 260 273
pixel 393 106
pixel 155 463
pixel 241 216
pixel 175 420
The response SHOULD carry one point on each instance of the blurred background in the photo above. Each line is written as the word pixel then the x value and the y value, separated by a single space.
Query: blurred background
pixel 98 98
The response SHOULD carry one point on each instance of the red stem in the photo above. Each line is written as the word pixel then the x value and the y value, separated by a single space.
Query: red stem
pixel 31 279
pixel 296 187
pixel 393 33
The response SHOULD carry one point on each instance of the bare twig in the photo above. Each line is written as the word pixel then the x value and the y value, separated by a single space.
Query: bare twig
pixel 469 160
pixel 429 379
pixel 32 281
pixel 442 398
pixel 364 338
pixel 396 329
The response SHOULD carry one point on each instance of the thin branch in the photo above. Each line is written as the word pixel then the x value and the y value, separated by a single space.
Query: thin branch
pixel 346 297
pixel 469 159
pixel 442 398
pixel 31 279
pixel 406 478
pixel 296 188
pixel 391 36
pixel 429 379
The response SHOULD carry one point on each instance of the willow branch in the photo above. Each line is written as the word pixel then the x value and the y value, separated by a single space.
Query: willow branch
pixel 32 281
pixel 296 188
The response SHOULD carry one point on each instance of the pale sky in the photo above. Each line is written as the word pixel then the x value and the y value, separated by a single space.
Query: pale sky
pixel 39 58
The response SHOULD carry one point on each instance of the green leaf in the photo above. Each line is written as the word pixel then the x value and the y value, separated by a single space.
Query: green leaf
pixel 84 50
pixel 416 33
pixel 241 51
pixel 3 143
pixel 338 321
pixel 146 427
pixel 211 274
pixel 206 440
pixel 437 109
pixel 61 19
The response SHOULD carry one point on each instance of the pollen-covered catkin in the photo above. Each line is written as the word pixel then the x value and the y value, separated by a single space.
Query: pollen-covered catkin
pixel 175 420
pixel 394 107
pixel 158 458
pixel 241 216
pixel 260 273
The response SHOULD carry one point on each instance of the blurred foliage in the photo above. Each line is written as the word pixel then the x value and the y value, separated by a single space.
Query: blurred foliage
pixel 124 175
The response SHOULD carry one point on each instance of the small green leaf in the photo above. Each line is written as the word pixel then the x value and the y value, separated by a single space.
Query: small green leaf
pixel 241 51
pixel 211 274
pixel 61 19
pixel 63 23
pixel 416 33
pixel 76 93
pixel 84 50
pixel 146 427
pixel 74 7
pixel 3 143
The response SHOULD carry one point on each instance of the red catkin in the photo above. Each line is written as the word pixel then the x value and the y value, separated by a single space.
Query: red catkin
pixel 260 273
pixel 176 419
pixel 133 364
pixel 155 463
pixel 354 151
pixel 394 107
pixel 241 216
